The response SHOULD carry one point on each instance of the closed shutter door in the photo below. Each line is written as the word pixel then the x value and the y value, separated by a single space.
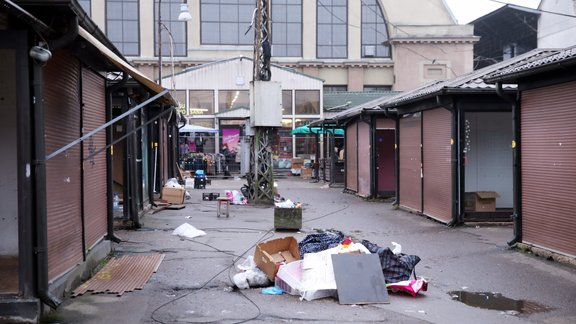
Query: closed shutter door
pixel 548 150
pixel 410 163
pixel 437 166
pixel 94 168
pixel 351 158
pixel 63 172
pixel 363 159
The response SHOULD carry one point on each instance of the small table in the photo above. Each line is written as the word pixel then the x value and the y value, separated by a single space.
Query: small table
pixel 223 201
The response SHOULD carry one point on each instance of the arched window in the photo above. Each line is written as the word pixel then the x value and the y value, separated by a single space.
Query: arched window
pixel 374 31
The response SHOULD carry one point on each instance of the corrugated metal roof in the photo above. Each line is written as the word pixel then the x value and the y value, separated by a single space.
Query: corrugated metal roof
pixel 372 104
pixel 349 99
pixel 122 274
pixel 566 56
pixel 473 81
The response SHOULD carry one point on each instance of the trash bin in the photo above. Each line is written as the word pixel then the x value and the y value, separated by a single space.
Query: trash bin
pixel 199 179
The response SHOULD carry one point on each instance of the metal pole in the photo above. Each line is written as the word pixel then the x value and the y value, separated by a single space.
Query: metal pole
pixel 160 42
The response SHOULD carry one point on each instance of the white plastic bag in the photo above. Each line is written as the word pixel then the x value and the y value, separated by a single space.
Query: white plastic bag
pixel 188 230
pixel 172 183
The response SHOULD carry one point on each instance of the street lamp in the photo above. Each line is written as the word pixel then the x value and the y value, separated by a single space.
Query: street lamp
pixel 183 16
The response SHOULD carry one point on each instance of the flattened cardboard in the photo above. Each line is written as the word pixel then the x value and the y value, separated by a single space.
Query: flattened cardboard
pixel 269 255
pixel 359 279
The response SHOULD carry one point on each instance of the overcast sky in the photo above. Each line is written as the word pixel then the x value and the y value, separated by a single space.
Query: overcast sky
pixel 467 10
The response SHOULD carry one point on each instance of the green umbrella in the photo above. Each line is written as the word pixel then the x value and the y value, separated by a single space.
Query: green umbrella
pixel 304 130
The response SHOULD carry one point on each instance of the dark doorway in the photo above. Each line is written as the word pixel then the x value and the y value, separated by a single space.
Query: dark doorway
pixel 385 166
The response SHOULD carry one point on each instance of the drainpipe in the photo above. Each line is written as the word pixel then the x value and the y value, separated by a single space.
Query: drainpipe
pixel 109 176
pixel 516 165
pixel 373 172
pixel 394 115
pixel 41 213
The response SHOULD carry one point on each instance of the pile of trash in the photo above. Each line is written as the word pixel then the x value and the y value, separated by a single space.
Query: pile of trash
pixel 329 264
pixel 236 197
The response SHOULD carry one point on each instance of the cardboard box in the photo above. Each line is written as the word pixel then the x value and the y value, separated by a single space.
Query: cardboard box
pixel 271 254
pixel 306 173
pixel 480 201
pixel 173 195
pixel 287 218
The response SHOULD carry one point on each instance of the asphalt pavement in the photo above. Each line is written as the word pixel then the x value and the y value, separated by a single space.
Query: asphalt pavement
pixel 193 283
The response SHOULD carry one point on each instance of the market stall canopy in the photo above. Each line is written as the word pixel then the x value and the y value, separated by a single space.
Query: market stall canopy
pixel 304 130
pixel 197 129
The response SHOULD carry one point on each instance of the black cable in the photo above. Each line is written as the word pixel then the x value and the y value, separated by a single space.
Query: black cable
pixel 264 236
pixel 326 215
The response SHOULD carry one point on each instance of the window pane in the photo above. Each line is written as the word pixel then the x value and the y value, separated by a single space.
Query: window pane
pixel 122 25
pixel 210 33
pixel 284 33
pixel 374 31
pixel 210 12
pixel 230 99
pixel 229 13
pixel 201 102
pixel 324 35
pixel 294 35
pixel 287 102
pixel 307 102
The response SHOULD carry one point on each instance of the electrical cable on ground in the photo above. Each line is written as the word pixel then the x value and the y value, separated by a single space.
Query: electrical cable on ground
pixel 264 237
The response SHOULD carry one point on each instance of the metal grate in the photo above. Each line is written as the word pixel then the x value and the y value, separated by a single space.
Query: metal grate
pixel 126 273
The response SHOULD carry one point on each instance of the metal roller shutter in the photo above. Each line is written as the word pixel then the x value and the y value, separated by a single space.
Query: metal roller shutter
pixel 351 157
pixel 94 169
pixel 411 163
pixel 363 163
pixel 548 150
pixel 437 167
pixel 63 172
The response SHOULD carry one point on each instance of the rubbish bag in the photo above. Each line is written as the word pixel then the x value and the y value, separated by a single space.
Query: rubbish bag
pixel 317 242
pixel 396 267
pixel 251 278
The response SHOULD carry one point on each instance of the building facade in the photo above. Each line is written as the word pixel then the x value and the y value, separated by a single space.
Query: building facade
pixel 352 45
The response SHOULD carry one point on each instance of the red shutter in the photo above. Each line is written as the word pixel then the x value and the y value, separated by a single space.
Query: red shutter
pixel 437 166
pixel 63 172
pixel 95 199
pixel 548 151
pixel 411 163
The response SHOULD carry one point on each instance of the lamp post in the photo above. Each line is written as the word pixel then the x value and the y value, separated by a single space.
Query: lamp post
pixel 183 16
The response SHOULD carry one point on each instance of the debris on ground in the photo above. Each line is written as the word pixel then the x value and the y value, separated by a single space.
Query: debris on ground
pixel 307 269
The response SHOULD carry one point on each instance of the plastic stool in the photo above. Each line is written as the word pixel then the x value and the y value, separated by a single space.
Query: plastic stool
pixel 223 201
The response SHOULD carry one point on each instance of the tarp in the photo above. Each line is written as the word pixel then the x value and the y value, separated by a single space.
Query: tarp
pixel 316 130
pixel 197 129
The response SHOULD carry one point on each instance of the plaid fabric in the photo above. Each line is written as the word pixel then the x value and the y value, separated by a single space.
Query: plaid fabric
pixel 317 242
pixel 395 267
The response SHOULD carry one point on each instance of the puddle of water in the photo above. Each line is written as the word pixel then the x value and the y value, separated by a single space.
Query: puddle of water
pixel 496 301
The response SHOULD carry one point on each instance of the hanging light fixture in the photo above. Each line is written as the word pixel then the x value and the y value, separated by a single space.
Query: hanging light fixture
pixel 184 13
